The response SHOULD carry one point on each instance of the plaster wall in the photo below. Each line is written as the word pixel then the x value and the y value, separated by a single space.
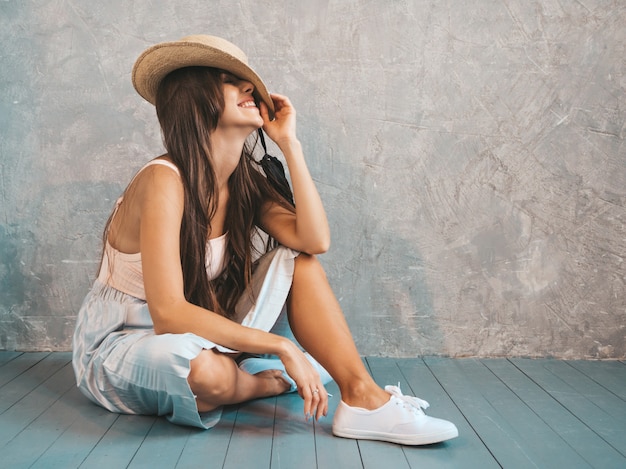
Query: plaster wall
pixel 470 155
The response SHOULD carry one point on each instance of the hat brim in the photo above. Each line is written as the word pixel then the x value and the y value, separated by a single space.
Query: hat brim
pixel 159 60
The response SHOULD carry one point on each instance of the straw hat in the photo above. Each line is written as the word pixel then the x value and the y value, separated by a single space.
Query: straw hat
pixel 197 50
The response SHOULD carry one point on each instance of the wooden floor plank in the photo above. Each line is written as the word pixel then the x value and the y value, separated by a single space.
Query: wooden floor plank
pixel 20 415
pixel 162 446
pixel 19 365
pixel 250 444
pixel 593 449
pixel 120 443
pixel 492 428
pixel 32 377
pixel 208 448
pixel 543 445
pixel 39 435
pixel 584 385
pixel 546 373
pixel 6 357
pixel 84 423
pixel 467 451
pixel 516 413
pixel 333 452
pixel 611 375
pixel 293 443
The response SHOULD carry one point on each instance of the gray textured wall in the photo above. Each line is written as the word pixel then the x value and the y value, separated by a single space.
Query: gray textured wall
pixel 470 154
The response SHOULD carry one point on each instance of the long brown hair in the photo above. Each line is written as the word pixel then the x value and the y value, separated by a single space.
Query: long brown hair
pixel 189 103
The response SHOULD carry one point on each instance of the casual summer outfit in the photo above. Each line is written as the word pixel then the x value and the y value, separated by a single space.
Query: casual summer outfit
pixel 122 365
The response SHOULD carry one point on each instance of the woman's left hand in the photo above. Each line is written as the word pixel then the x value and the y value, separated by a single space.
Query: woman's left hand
pixel 283 127
pixel 310 387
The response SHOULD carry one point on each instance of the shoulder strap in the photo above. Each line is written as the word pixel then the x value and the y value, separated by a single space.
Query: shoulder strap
pixel 169 164
pixel 119 200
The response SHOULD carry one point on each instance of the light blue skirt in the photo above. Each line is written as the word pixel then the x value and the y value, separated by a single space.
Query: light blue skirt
pixel 122 365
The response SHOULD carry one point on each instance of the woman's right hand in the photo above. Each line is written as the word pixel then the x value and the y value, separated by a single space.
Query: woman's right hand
pixel 310 387
pixel 282 128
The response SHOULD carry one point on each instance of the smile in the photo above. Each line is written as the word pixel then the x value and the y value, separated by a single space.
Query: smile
pixel 247 104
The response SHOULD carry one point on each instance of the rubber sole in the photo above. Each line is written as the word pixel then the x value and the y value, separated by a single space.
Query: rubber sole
pixel 409 440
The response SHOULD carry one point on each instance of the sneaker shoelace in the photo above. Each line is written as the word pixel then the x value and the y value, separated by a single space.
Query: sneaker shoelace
pixel 414 402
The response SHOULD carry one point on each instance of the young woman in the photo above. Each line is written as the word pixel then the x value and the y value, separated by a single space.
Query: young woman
pixel 207 270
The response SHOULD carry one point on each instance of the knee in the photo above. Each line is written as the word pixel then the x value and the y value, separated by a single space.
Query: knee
pixel 212 376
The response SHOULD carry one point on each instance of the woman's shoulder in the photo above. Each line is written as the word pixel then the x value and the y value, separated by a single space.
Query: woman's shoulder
pixel 158 178
pixel 155 191
pixel 161 168
pixel 163 161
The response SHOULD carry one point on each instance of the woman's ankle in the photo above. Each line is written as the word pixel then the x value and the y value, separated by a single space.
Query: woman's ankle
pixel 364 394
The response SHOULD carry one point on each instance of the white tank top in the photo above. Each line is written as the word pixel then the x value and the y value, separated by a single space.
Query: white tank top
pixel 123 271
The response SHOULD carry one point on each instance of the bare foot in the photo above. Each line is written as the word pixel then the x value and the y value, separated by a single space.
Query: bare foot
pixel 274 381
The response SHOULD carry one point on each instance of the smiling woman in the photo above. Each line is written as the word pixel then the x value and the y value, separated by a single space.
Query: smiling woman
pixel 188 303
pixel 237 97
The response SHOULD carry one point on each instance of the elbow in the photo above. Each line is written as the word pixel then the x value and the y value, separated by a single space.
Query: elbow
pixel 320 247
pixel 161 325
pixel 163 320
pixel 323 247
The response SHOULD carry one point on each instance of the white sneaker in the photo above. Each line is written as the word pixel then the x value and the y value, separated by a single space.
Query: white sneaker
pixel 401 420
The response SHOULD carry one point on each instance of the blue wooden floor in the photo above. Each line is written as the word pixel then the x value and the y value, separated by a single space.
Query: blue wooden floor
pixel 511 413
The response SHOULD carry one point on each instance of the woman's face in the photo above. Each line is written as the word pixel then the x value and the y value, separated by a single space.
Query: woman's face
pixel 240 110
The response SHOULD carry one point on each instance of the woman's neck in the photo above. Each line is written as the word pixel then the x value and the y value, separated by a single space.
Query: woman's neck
pixel 226 151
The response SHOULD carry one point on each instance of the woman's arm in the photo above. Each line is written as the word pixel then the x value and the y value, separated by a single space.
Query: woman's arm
pixel 161 203
pixel 161 199
pixel 307 230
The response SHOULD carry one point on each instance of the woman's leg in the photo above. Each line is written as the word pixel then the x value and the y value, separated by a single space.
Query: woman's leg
pixel 319 325
pixel 216 381
pixel 366 410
